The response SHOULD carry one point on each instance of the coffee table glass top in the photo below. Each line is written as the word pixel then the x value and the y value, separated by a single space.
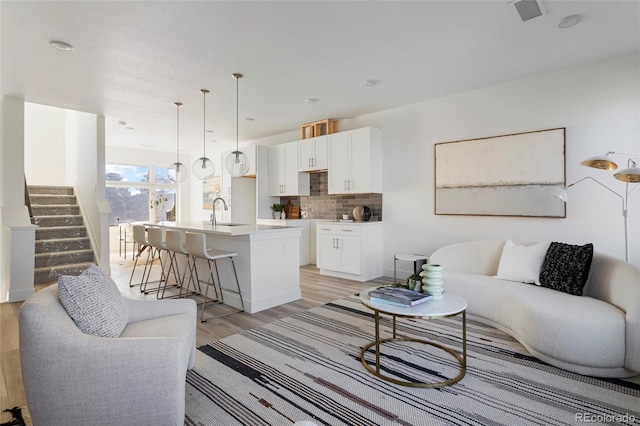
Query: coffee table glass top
pixel 450 304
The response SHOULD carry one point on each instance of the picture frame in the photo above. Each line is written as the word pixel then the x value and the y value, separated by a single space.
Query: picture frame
pixel 506 175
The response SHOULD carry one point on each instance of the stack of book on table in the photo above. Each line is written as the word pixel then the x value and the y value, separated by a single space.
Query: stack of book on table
pixel 398 296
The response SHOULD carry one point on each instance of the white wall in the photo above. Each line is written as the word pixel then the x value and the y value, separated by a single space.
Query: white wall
pixel 84 144
pixel 598 103
pixel 44 133
pixel 16 231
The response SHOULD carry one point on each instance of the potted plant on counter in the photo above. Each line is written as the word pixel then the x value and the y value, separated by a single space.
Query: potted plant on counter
pixel 277 208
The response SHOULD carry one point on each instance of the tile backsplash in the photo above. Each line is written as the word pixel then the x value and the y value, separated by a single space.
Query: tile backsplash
pixel 320 205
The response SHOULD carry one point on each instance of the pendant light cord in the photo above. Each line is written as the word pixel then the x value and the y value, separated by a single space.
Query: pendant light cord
pixel 177 104
pixel 237 114
pixel 204 122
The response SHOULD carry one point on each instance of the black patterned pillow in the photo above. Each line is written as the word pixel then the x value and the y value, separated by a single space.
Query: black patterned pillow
pixel 566 267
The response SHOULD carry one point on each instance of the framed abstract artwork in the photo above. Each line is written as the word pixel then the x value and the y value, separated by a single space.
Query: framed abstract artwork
pixel 508 175
pixel 211 188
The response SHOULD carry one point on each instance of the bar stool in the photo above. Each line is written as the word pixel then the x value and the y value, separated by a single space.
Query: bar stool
pixel 197 249
pixel 141 245
pixel 175 246
pixel 154 238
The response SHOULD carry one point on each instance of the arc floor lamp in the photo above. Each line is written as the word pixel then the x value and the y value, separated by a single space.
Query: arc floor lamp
pixel 630 175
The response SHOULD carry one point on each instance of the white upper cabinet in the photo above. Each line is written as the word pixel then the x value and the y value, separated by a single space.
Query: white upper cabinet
pixel 284 178
pixel 313 154
pixel 355 161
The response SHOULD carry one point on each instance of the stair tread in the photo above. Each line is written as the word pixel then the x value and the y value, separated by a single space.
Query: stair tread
pixel 64 239
pixel 58 215
pixel 64 266
pixel 51 195
pixel 60 228
pixel 65 252
pixel 49 186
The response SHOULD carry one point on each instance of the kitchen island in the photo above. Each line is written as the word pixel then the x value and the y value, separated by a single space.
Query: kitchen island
pixel 267 261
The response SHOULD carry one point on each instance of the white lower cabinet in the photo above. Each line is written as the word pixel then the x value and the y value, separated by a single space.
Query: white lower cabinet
pixel 352 251
pixel 307 239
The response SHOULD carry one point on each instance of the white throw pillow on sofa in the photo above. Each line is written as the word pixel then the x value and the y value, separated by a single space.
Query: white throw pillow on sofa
pixel 522 263
pixel 94 302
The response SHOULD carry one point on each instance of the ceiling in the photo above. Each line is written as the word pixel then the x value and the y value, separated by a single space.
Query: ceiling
pixel 132 60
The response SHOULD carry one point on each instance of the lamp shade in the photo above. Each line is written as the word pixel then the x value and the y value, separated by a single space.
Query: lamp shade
pixel 559 193
pixel 630 175
pixel 601 162
pixel 178 172
pixel 237 163
pixel 203 168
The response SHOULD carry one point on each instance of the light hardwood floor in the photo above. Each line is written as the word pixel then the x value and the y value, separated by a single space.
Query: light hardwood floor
pixel 316 290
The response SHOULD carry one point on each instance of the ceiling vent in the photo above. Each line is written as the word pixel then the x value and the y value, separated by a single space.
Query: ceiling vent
pixel 527 9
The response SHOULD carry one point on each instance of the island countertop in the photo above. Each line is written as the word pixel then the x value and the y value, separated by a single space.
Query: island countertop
pixel 229 230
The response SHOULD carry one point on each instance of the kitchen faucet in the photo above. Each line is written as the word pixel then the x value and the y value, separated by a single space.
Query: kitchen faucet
pixel 213 209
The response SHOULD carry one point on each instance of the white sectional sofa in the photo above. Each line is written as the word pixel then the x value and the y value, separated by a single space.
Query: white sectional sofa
pixel 596 334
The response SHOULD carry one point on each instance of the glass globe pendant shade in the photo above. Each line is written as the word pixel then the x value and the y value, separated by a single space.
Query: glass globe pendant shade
pixel 203 168
pixel 237 163
pixel 178 172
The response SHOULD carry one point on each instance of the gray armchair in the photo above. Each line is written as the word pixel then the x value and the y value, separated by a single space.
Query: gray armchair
pixel 72 378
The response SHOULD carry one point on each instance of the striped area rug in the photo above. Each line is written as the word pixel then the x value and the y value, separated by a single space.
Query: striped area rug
pixel 307 367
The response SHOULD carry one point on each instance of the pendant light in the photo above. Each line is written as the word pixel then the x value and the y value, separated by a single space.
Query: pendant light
pixel 178 171
pixel 203 168
pixel 237 163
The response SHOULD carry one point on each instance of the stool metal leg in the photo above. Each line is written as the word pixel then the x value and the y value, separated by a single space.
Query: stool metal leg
pixel 135 263
pixel 163 277
pixel 239 292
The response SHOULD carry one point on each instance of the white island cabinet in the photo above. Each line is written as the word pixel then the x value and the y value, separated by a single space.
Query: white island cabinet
pixel 267 261
pixel 350 250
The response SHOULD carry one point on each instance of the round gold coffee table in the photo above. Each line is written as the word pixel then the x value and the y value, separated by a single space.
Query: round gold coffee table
pixel 449 306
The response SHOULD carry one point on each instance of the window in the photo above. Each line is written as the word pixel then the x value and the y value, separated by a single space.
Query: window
pixel 128 204
pixel 134 197
pixel 118 173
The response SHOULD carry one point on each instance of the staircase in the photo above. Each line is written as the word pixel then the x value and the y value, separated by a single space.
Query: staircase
pixel 62 245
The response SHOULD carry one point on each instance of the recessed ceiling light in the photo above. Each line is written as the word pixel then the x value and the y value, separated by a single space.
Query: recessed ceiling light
pixel 248 119
pixel 371 83
pixel 569 21
pixel 312 100
pixel 61 45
